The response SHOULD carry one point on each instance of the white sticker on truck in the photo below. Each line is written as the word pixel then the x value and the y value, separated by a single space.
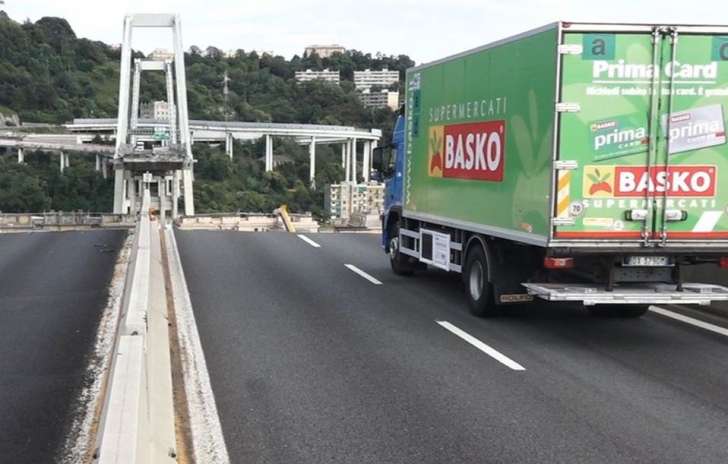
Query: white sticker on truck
pixel 707 221
pixel 696 128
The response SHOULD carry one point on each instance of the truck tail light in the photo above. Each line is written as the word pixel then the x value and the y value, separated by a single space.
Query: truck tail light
pixel 560 263
pixel 724 262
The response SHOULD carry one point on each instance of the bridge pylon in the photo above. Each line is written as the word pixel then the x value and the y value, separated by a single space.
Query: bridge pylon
pixel 163 154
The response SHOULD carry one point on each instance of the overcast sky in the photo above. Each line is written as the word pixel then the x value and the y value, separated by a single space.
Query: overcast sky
pixel 423 29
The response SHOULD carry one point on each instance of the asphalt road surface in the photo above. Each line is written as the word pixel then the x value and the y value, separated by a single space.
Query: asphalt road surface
pixel 53 287
pixel 311 361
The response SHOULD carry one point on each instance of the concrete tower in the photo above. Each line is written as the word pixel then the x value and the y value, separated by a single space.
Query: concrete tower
pixel 157 157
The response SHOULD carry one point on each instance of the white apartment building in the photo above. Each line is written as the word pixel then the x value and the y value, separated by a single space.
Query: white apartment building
pixel 323 51
pixel 346 199
pixel 157 110
pixel 366 79
pixel 326 75
pixel 384 98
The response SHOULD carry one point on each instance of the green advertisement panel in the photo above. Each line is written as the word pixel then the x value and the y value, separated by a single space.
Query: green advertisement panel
pixel 648 137
pixel 479 137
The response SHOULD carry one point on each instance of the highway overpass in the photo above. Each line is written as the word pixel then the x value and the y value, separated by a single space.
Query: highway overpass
pixel 356 144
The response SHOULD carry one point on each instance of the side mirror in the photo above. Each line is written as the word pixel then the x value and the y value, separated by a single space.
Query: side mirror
pixel 382 160
pixel 378 158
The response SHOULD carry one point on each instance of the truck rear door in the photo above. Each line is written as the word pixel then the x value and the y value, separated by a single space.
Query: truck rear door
pixel 692 196
pixel 619 176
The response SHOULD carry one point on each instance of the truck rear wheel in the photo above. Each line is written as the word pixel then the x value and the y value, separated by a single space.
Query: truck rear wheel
pixel 477 284
pixel 401 264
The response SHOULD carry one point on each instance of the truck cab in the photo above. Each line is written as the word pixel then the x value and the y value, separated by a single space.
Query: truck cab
pixel 390 161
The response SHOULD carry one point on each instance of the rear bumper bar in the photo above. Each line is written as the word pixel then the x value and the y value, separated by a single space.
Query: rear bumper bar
pixel 643 293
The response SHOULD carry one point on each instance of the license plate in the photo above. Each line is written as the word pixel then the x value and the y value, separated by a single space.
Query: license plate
pixel 646 261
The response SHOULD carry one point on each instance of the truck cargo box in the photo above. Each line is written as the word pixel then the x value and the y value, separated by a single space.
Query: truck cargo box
pixel 575 135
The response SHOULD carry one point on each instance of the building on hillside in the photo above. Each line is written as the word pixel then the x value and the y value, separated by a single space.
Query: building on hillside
pixel 366 79
pixel 157 110
pixel 326 75
pixel 160 54
pixel 343 200
pixel 382 99
pixel 323 51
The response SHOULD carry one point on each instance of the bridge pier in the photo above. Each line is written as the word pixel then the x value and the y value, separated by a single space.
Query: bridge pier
pixel 131 192
pixel 229 145
pixel 372 147
pixel 343 155
pixel 365 162
pixel 104 169
pixel 353 160
pixel 187 187
pixel 162 191
pixel 21 156
pixel 312 161
pixel 135 99
pixel 175 193
pixel 98 163
pixel 65 161
pixel 268 153
pixel 132 162
pixel 119 190
pixel 347 160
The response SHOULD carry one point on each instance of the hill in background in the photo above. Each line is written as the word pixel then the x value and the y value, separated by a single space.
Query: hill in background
pixel 49 75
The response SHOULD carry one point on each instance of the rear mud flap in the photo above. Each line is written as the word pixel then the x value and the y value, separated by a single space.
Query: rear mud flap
pixel 643 293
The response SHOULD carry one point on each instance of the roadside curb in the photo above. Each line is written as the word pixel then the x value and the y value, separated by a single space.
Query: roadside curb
pixel 208 442
pixel 137 422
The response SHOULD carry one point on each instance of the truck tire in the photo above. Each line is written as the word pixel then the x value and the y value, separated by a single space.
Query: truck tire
pixel 477 284
pixel 401 264
pixel 627 311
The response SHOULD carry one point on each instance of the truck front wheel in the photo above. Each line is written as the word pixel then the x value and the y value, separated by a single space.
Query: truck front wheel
pixel 477 284
pixel 401 264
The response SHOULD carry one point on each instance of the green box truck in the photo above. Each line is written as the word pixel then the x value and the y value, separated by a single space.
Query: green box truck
pixel 575 162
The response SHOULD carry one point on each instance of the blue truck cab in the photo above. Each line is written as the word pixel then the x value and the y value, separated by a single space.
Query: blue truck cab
pixel 393 183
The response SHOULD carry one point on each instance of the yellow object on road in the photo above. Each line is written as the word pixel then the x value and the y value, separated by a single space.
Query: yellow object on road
pixel 283 213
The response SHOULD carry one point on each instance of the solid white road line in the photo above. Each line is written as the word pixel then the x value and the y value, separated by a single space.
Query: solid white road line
pixel 490 351
pixel 309 241
pixel 689 320
pixel 363 274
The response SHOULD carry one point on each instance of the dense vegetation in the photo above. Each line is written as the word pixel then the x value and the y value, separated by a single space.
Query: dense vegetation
pixel 49 75
pixel 39 186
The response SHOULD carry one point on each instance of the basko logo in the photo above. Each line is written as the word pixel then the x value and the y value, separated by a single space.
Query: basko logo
pixel 633 181
pixel 468 151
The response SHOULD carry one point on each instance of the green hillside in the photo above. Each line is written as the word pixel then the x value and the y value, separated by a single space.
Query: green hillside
pixel 49 75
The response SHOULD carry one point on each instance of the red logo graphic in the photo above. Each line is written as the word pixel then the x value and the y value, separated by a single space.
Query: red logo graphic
pixel 676 181
pixel 468 151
